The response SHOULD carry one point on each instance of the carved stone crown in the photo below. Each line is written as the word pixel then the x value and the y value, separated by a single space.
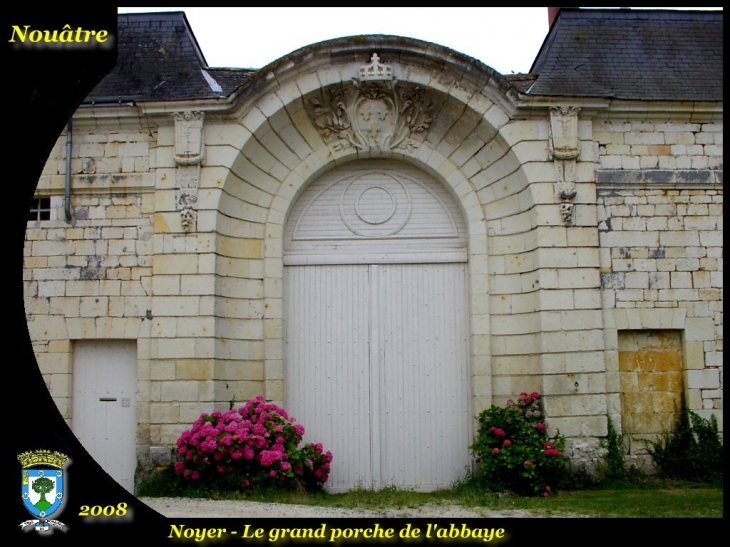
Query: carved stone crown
pixel 374 71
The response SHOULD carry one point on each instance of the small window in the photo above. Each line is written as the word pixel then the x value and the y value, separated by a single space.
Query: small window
pixel 40 209
pixel 44 208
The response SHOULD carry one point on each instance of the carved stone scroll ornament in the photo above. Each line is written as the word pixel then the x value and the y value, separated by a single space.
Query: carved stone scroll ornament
pixel 564 148
pixel 189 153
pixel 375 113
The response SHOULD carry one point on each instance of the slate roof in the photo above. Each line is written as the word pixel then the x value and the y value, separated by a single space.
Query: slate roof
pixel 615 53
pixel 521 81
pixel 632 54
pixel 159 59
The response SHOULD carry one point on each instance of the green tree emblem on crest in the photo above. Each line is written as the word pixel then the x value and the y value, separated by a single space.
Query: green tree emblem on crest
pixel 43 485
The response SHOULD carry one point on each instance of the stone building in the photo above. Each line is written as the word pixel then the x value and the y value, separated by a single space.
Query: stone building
pixel 387 237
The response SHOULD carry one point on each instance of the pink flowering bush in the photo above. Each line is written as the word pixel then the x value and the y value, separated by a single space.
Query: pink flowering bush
pixel 255 446
pixel 515 451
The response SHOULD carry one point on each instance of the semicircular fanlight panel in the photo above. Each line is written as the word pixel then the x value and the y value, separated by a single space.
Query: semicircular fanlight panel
pixel 375 212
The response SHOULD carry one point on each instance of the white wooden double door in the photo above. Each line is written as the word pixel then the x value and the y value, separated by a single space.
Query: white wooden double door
pixel 377 370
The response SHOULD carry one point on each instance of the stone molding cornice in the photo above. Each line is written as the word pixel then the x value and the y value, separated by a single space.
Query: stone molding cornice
pixel 621 109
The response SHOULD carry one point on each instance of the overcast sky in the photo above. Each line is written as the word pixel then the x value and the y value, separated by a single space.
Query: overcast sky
pixel 506 39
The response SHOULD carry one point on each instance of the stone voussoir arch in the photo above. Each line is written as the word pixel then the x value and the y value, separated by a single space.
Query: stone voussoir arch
pixel 469 94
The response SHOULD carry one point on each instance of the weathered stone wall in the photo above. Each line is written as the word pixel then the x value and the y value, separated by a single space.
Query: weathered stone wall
pixel 660 222
pixel 183 326
pixel 662 145
pixel 549 294
pixel 92 278
pixel 545 305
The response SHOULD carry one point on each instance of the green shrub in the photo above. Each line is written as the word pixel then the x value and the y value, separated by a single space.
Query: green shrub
pixel 692 451
pixel 614 461
pixel 515 451
pixel 578 479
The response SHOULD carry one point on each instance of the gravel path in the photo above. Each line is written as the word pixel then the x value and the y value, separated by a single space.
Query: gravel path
pixel 204 508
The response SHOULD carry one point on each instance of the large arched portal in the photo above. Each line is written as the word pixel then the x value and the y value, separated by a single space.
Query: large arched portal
pixel 377 325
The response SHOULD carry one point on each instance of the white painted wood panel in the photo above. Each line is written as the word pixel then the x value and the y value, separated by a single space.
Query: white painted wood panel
pixel 104 415
pixel 376 326
pixel 377 370
pixel 372 212
pixel 424 421
pixel 328 370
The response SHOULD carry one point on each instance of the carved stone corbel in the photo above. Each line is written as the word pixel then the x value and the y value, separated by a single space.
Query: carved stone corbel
pixel 564 148
pixel 189 153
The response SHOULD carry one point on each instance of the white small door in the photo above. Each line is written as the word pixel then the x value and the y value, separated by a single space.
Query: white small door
pixel 104 415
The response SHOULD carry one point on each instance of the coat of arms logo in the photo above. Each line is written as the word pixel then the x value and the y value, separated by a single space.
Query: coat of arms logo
pixel 375 113
pixel 42 488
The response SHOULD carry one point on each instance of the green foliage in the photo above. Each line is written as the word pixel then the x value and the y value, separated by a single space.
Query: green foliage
pixel 577 479
pixel 651 497
pixel 692 451
pixel 515 451
pixel 165 482
pixel 615 464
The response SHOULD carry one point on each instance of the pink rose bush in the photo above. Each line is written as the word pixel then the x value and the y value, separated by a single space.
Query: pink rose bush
pixel 251 447
pixel 515 451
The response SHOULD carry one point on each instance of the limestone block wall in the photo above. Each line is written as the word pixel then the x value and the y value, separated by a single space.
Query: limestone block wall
pixel 182 334
pixel 550 298
pixel 660 223
pixel 660 145
pixel 92 277
pixel 544 304
pixel 514 303
pixel 571 349
pixel 238 213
